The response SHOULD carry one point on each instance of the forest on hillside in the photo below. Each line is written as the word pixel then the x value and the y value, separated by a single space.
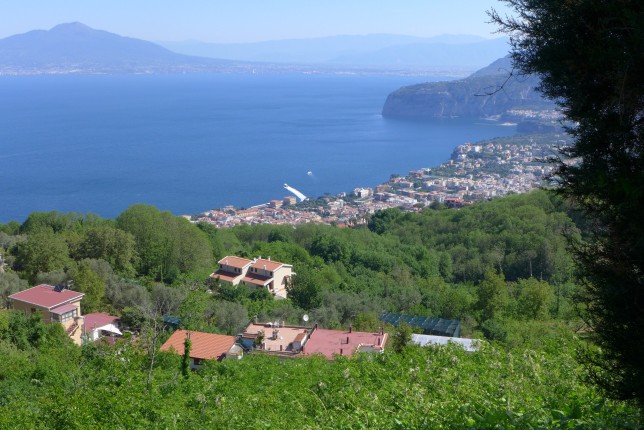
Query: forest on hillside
pixel 490 265
pixel 501 267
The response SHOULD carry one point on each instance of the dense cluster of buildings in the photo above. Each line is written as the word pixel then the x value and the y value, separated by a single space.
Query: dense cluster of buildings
pixel 475 172
pixel 59 305
pixel 291 341
pixel 275 339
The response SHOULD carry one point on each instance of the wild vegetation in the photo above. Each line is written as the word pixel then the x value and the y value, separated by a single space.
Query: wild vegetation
pixel 51 384
pixel 501 267
pixel 433 263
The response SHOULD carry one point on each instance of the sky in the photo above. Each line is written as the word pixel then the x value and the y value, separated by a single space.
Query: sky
pixel 228 21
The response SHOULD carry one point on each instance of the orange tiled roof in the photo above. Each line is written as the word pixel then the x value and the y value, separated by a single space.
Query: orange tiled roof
pixel 225 276
pixel 232 261
pixel 206 346
pixel 270 264
pixel 256 279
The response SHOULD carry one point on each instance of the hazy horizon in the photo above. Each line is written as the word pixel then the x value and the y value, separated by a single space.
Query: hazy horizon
pixel 254 20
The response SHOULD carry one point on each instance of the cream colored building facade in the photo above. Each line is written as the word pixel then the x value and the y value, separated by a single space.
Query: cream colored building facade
pixel 55 304
pixel 272 275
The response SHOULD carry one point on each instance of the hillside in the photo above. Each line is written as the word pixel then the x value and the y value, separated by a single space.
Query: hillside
pixel 77 48
pixel 148 263
pixel 489 92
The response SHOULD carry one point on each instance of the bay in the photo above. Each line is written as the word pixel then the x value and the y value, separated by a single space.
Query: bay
pixel 188 143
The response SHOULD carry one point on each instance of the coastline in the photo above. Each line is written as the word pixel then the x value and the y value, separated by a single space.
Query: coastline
pixel 475 172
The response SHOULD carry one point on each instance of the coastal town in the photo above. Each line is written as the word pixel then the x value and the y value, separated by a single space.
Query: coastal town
pixel 475 172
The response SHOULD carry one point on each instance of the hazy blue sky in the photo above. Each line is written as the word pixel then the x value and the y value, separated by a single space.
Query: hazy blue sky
pixel 252 20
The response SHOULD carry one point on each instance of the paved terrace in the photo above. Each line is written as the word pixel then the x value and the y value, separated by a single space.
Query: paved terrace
pixel 277 338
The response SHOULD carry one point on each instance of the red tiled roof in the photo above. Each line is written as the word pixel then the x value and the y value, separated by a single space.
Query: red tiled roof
pixel 99 319
pixel 225 276
pixel 238 262
pixel 59 310
pixel 204 345
pixel 269 264
pixel 256 279
pixel 330 342
pixel 44 296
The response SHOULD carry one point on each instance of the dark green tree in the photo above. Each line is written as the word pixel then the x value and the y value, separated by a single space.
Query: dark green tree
pixel 89 282
pixel 10 283
pixel 185 360
pixel 230 316
pixel 492 296
pixel 401 337
pixel 44 251
pixel 112 245
pixel 167 246
pixel 590 57
pixel 535 298
pixel 304 289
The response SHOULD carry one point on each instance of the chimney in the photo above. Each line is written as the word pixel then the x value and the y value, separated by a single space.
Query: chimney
pixel 347 340
pixel 378 341
pixel 340 351
pixel 281 346
pixel 316 326
pixel 382 330
pixel 269 258
pixel 350 328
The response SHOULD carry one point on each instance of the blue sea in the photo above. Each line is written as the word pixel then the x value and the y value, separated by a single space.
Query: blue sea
pixel 189 143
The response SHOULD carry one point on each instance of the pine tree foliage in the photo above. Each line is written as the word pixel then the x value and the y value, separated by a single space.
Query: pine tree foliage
pixel 590 57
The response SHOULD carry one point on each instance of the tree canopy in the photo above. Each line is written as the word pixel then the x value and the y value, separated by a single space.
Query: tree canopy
pixel 589 55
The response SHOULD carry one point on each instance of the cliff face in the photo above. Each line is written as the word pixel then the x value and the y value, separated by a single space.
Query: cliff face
pixel 488 92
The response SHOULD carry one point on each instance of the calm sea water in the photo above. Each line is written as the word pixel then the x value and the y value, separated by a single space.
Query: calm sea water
pixel 191 143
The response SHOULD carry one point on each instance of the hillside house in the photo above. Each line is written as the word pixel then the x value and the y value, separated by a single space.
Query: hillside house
pixel 276 339
pixel 55 304
pixel 100 325
pixel 255 273
pixel 205 346
pixel 344 342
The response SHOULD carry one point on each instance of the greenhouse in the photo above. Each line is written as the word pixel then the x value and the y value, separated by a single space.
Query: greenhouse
pixel 428 325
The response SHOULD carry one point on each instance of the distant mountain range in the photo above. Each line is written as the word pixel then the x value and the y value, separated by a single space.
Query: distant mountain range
pixel 492 92
pixel 77 48
pixel 375 50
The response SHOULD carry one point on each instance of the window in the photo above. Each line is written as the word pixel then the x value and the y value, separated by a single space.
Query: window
pixel 68 315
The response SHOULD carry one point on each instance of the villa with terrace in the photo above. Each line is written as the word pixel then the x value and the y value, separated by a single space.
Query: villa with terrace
pixel 256 273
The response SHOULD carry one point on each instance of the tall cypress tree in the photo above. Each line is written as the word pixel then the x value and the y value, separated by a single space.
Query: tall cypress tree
pixel 590 57
pixel 185 361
